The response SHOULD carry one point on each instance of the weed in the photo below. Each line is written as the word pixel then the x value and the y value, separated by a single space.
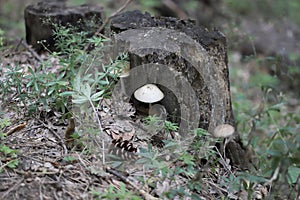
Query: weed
pixel 155 124
pixel 271 130
pixel 34 88
pixel 6 151
pixel 118 193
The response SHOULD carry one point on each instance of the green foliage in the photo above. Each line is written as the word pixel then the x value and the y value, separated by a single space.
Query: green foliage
pixel 169 165
pixel 150 158
pixel 113 193
pixel 155 124
pixel 33 87
pixel 69 40
pixel 202 145
pixel 6 151
pixel 264 80
pixel 270 128
pixel 4 122
pixel 11 16
pixel 69 158
pixel 170 126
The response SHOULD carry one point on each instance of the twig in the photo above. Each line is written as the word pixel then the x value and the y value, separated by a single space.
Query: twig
pixel 16 128
pixel 27 173
pixel 218 187
pixel 175 8
pixel 274 176
pixel 56 135
pixel 108 19
pixel 101 131
pixel 31 50
pixel 146 195
pixel 112 15
pixel 223 162
pixel 12 188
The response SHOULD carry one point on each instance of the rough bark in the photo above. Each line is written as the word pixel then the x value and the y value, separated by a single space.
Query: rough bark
pixel 41 17
pixel 194 54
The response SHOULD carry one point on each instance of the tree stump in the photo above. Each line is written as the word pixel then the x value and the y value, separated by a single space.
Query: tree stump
pixel 188 63
pixel 41 17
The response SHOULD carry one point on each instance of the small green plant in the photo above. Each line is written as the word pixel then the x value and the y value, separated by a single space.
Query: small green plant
pixel 155 124
pixel 113 193
pixel 204 146
pixel 69 158
pixel 5 151
pixel 170 126
pixel 150 158
pixel 69 40
pixel 34 88
pixel 94 81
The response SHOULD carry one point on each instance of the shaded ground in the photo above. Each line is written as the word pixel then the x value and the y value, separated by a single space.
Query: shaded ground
pixel 47 169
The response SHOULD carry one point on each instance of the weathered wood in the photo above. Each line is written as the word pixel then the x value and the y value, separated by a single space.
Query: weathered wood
pixel 188 63
pixel 41 17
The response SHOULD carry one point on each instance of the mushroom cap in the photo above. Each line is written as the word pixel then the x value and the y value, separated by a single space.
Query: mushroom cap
pixel 223 130
pixel 149 93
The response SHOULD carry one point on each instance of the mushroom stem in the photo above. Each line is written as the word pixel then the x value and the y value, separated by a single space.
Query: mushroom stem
pixel 224 131
pixel 158 110
pixel 123 86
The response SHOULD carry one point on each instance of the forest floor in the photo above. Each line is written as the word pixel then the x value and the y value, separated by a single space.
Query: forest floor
pixel 37 163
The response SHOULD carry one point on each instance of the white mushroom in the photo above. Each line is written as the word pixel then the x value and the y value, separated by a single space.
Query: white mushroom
pixel 149 93
pixel 223 131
